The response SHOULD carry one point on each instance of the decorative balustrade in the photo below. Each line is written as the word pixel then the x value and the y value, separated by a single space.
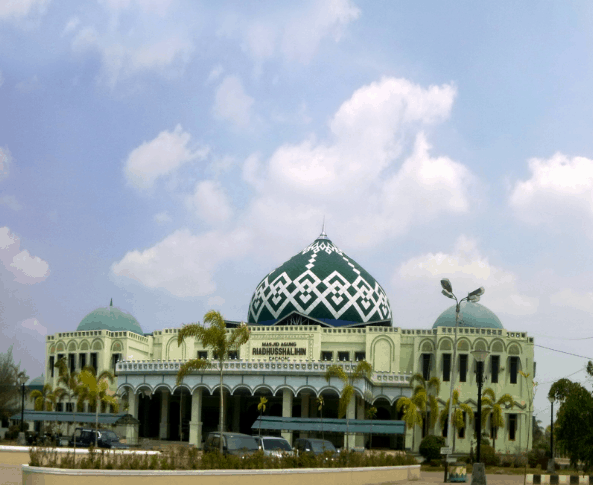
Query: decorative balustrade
pixel 242 366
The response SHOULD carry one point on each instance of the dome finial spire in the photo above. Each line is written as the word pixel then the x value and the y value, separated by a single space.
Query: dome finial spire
pixel 323 235
pixel 111 302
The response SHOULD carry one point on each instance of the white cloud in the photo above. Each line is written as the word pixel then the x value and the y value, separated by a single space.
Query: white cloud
pixel 210 202
pixel 231 103
pixel 5 163
pixel 162 217
pixel 25 268
pixel 33 324
pixel 29 86
pixel 375 171
pixel 183 264
pixel 72 24
pixel 294 33
pixel 15 9
pixel 215 73
pixel 569 298
pixel 559 190
pixel 160 156
pixel 467 268
pixel 11 202
pixel 215 301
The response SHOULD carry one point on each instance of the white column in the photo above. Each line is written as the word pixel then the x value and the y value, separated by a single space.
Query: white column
pixel 132 429
pixel 164 426
pixel 195 425
pixel 287 411
pixel 305 400
pixel 236 413
pixel 350 415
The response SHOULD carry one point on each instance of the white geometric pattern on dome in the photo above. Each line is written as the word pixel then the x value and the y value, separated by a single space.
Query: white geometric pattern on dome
pixel 337 297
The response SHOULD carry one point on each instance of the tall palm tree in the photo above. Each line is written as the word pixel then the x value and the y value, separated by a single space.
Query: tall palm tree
pixel 320 404
pixel 44 400
pixel 431 404
pixel 493 407
pixel 457 416
pixel 362 369
pixel 261 407
pixel 70 389
pixel 221 341
pixel 413 410
pixel 95 390
pixel 370 414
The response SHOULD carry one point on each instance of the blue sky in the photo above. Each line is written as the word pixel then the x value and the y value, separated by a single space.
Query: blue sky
pixel 169 154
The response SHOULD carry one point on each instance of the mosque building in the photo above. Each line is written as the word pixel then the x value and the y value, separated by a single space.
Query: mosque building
pixel 319 308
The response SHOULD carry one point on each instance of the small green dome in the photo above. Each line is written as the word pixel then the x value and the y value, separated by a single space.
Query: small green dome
pixel 470 315
pixel 110 318
pixel 37 383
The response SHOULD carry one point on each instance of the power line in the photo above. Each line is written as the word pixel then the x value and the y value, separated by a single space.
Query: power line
pixel 562 351
pixel 559 338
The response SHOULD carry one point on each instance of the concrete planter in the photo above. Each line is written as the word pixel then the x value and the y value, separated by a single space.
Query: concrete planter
pixel 328 476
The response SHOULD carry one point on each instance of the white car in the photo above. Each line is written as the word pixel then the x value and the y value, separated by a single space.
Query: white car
pixel 274 446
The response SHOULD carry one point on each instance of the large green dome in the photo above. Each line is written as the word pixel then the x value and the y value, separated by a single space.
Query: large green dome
pixel 320 282
pixel 470 315
pixel 110 318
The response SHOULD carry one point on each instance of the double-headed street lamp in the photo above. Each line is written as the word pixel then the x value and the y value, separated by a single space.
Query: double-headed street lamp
pixel 474 296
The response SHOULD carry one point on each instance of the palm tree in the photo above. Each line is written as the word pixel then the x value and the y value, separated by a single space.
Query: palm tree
pixel 493 407
pixel 413 411
pixel 362 369
pixel 261 407
pixel 430 399
pixel 70 390
pixel 214 336
pixel 44 400
pixel 457 416
pixel 95 391
pixel 320 404
pixel 370 414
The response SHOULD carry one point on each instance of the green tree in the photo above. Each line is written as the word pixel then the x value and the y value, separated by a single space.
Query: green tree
pixel 457 417
pixel 68 389
pixel 362 369
pixel 10 378
pixel 220 340
pixel 493 407
pixel 44 400
pixel 261 407
pixel 95 390
pixel 424 390
pixel 414 408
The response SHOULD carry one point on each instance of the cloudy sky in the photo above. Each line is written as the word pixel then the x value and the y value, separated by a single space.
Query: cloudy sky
pixel 168 154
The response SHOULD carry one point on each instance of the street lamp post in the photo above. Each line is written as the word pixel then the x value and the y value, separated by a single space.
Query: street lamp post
pixel 21 438
pixel 551 467
pixel 473 296
pixel 480 356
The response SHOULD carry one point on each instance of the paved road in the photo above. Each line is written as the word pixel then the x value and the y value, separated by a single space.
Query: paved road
pixel 10 475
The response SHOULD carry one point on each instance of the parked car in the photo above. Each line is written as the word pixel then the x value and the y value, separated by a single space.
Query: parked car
pixel 233 443
pixel 274 445
pixel 315 446
pixel 85 437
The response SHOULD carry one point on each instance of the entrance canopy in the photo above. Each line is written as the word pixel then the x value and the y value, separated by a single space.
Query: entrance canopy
pixel 330 425
pixel 104 418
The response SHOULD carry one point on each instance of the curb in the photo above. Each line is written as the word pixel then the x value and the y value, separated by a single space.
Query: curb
pixel 533 479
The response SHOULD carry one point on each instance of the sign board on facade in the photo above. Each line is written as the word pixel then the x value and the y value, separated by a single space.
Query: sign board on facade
pixel 281 349
pixel 445 450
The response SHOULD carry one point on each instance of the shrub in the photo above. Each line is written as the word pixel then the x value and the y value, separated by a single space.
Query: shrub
pixel 488 455
pixel 519 460
pixel 537 457
pixel 430 447
pixel 12 433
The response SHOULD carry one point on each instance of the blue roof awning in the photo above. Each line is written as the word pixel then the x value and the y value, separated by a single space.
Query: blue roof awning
pixel 377 426
pixel 104 418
